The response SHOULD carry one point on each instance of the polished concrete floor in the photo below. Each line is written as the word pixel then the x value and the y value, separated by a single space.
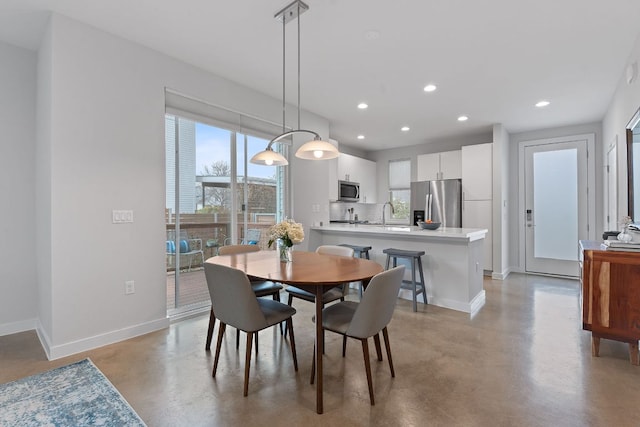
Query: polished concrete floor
pixel 523 360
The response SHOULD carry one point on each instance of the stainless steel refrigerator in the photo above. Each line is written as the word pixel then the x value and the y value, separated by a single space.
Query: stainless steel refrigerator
pixel 439 201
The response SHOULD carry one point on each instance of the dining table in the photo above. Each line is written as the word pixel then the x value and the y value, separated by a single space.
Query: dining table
pixel 310 271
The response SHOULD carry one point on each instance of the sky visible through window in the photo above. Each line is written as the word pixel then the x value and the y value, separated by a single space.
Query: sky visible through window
pixel 212 144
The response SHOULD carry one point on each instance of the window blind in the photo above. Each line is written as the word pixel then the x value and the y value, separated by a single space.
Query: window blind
pixel 399 174
pixel 202 111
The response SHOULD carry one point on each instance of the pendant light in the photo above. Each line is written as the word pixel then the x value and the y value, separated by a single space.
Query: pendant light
pixel 316 149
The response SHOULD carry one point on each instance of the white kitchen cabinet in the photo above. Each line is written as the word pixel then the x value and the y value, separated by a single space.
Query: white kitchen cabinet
pixel 445 165
pixel 356 169
pixel 477 172
pixel 368 182
pixel 451 165
pixel 478 214
pixel 333 179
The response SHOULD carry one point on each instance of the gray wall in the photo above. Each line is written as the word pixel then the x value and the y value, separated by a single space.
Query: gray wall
pixel 99 120
pixel 18 290
pixel 625 102
pixel 515 245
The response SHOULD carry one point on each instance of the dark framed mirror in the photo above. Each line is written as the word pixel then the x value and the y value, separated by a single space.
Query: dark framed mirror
pixel 633 166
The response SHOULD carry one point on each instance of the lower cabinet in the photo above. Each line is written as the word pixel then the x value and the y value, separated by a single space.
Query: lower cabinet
pixel 611 296
pixel 477 214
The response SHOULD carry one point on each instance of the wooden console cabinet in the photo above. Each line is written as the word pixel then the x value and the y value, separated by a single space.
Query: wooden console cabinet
pixel 611 296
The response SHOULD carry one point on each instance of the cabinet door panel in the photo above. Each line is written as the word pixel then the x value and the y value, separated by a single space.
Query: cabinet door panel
pixel 477 172
pixel 451 164
pixel 368 181
pixel 428 167
pixel 477 214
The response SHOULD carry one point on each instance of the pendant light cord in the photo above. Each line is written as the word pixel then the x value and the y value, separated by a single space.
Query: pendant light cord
pixel 284 107
pixel 298 65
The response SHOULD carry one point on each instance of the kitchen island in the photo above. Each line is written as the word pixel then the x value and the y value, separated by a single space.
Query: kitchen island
pixel 452 261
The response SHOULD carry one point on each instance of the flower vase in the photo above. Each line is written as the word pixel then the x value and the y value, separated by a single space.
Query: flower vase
pixel 285 252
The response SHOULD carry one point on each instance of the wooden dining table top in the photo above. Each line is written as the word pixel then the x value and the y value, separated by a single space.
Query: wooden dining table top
pixel 306 268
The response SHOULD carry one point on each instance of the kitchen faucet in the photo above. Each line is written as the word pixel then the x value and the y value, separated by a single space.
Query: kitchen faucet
pixel 384 222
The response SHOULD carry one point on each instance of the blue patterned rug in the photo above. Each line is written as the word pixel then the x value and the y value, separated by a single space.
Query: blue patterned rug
pixel 73 395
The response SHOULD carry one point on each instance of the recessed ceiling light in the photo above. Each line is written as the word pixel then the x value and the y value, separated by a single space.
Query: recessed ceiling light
pixel 360 136
pixel 542 104
pixel 405 128
pixel 463 118
pixel 363 106
pixel 430 88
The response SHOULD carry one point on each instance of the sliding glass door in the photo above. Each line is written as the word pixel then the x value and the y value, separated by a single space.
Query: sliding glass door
pixel 214 197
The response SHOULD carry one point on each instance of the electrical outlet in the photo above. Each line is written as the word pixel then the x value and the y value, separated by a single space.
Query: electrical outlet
pixel 129 287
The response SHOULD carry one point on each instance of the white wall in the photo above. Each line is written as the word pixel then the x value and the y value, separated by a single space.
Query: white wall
pixel 501 202
pixel 18 290
pixel 624 104
pixel 100 146
pixel 514 174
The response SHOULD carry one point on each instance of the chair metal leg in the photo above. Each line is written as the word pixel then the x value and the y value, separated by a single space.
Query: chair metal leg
pixel 376 341
pixel 313 365
pixel 413 283
pixel 424 285
pixel 247 363
pixel 212 324
pixel 293 343
pixel 385 335
pixel 344 345
pixel 289 303
pixel 221 329
pixel 282 325
pixel 367 367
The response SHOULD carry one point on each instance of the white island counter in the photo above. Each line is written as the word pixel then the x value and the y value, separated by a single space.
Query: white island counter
pixel 452 261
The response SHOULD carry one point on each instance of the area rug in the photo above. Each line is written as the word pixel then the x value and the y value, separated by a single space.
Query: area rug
pixel 73 395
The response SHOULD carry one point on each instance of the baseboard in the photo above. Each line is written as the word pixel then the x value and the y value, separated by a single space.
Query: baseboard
pixel 62 350
pixel 501 276
pixel 16 327
pixel 478 302
pixel 471 307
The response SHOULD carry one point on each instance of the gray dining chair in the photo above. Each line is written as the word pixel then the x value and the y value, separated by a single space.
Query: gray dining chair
pixel 366 319
pixel 236 305
pixel 261 288
pixel 333 294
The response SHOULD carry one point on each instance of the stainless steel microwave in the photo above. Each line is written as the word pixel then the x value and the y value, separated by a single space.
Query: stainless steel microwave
pixel 348 191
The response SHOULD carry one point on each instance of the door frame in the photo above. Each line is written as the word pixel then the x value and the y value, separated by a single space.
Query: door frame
pixel 611 186
pixel 591 187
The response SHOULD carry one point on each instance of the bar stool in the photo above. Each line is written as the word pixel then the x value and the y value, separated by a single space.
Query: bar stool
pixel 415 258
pixel 359 252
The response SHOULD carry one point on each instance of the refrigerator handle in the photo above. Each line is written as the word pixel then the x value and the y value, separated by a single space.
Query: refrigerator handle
pixel 428 213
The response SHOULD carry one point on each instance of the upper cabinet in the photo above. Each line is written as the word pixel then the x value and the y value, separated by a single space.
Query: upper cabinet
pixel 446 165
pixel 477 172
pixel 356 169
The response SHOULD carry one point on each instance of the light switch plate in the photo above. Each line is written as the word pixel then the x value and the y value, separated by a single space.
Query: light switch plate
pixel 121 217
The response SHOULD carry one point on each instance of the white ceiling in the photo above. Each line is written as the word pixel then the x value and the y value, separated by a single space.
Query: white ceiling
pixel 491 60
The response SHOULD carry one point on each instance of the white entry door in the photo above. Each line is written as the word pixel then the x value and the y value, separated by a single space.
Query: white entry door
pixel 556 205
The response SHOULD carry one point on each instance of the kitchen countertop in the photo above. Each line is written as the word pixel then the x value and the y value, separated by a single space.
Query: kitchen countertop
pixel 448 233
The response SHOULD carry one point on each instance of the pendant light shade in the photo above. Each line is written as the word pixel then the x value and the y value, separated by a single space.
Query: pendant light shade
pixel 268 157
pixel 317 150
